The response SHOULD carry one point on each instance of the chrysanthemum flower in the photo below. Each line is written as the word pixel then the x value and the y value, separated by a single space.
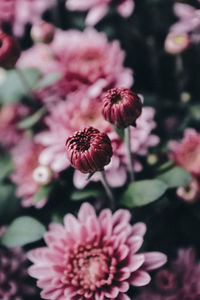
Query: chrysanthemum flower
pixel 29 175
pixel 86 60
pixel 180 281
pixel 89 150
pixel 78 112
pixel 10 115
pixel 99 8
pixel 9 51
pixel 19 13
pixel 13 274
pixel 93 257
pixel 121 107
pixel 186 153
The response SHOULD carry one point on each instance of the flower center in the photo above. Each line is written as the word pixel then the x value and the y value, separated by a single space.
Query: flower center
pixel 90 267
pixel 116 99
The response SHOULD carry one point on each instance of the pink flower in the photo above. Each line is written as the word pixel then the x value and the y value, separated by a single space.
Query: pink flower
pixel 189 19
pixel 121 107
pixel 186 153
pixel 190 192
pixel 176 43
pixel 10 115
pixel 93 257
pixel 79 112
pixel 29 175
pixel 179 282
pixel 89 150
pixel 99 8
pixel 18 13
pixel 87 61
pixel 13 273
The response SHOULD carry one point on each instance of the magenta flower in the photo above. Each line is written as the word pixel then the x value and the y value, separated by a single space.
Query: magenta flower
pixel 10 115
pixel 9 51
pixel 89 150
pixel 186 153
pixel 99 8
pixel 13 274
pixel 18 13
pixel 29 175
pixel 93 257
pixel 179 282
pixel 79 111
pixel 87 61
pixel 121 107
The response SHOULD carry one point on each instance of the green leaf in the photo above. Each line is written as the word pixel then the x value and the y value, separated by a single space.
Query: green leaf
pixel 85 194
pixel 165 166
pixel 143 192
pixel 22 231
pixel 48 80
pixel 42 193
pixel 9 204
pixel 6 166
pixel 32 120
pixel 12 89
pixel 175 177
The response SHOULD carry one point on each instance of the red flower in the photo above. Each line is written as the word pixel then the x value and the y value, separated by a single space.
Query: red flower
pixel 121 107
pixel 9 51
pixel 89 150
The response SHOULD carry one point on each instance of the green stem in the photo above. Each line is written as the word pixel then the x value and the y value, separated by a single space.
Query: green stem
pixel 107 188
pixel 127 141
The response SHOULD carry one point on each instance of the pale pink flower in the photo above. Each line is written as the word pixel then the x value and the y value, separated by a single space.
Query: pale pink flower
pixel 10 115
pixel 19 13
pixel 29 175
pixel 186 153
pixel 99 8
pixel 179 282
pixel 189 19
pixel 176 43
pixel 189 192
pixel 86 60
pixel 93 257
pixel 78 112
pixel 13 273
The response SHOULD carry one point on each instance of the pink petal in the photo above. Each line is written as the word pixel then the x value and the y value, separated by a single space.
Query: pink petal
pixel 86 211
pixel 140 278
pixel 96 14
pixel 139 229
pixel 125 9
pixel 184 11
pixel 154 260
pixel 121 216
pixel 135 243
pixel 136 262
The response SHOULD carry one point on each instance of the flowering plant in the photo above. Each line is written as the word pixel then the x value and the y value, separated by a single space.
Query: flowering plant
pixel 99 149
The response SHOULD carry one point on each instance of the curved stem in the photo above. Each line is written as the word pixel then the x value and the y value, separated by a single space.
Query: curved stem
pixel 107 188
pixel 127 141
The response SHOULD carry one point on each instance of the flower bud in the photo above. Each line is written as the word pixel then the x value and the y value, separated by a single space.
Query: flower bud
pixel 121 107
pixel 42 32
pixel 42 175
pixel 176 43
pixel 89 150
pixel 189 192
pixel 9 51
